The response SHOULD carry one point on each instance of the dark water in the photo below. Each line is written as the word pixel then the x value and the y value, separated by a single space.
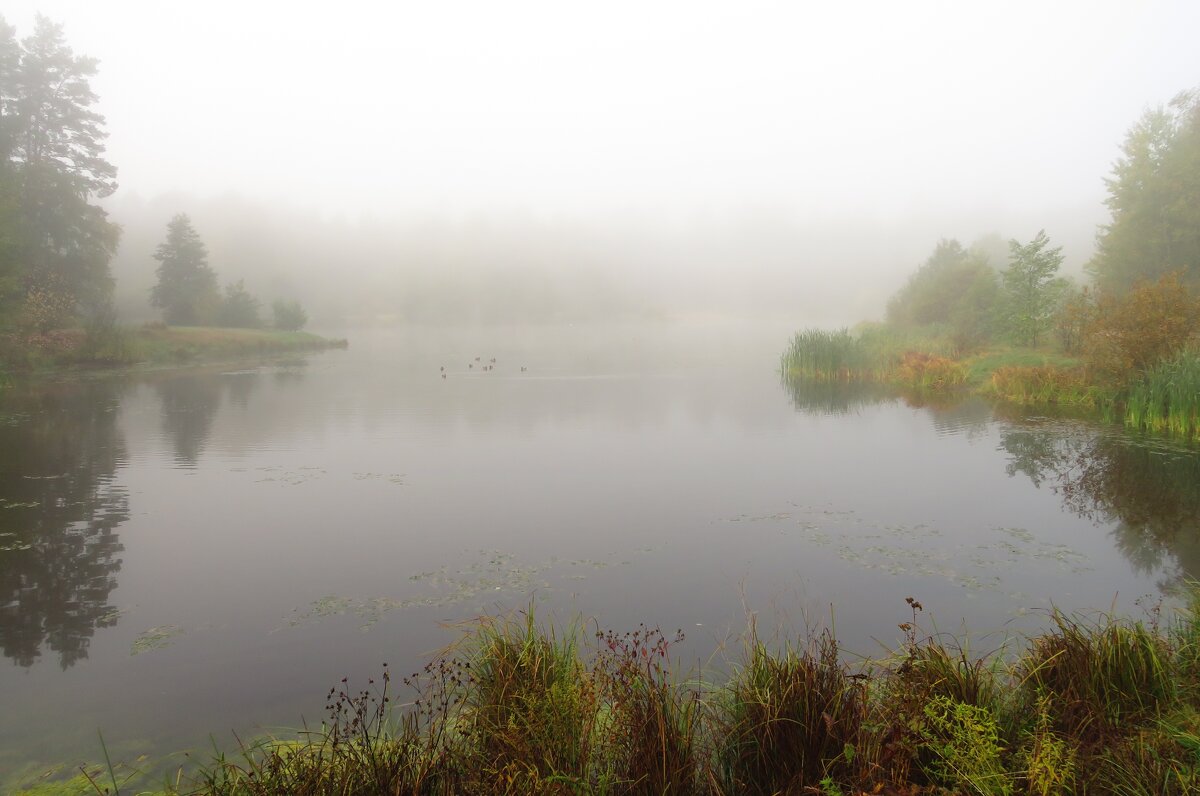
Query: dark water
pixel 208 551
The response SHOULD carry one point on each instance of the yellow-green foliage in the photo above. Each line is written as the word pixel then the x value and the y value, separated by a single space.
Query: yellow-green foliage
pixel 531 709
pixel 965 742
pixel 1032 384
pixel 928 372
pixel 1049 759
pixel 1167 399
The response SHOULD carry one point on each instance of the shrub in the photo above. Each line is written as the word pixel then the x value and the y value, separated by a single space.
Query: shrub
pixel 47 306
pixel 1129 334
pixel 289 316
pixel 239 309
pixel 965 742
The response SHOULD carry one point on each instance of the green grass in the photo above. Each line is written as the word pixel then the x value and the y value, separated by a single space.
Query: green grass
pixel 980 366
pixel 110 345
pixel 1092 705
pixel 872 353
pixel 820 355
pixel 788 719
pixel 1167 399
pixel 161 344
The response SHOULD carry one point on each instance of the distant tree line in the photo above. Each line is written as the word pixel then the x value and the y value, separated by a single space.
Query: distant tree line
pixel 187 291
pixel 56 243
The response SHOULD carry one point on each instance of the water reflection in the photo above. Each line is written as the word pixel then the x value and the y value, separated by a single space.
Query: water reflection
pixel 59 510
pixel 834 398
pixel 189 405
pixel 1149 493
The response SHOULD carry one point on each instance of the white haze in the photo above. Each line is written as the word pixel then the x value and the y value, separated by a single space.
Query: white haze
pixel 647 158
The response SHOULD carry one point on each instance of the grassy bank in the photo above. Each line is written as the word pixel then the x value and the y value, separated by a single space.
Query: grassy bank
pixel 151 344
pixel 1164 398
pixel 1093 705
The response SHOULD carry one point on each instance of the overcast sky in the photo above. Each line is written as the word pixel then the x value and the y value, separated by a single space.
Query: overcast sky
pixel 835 109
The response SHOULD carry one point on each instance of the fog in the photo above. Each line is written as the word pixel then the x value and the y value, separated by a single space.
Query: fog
pixel 548 161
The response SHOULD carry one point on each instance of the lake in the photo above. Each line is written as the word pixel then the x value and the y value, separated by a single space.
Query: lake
pixel 200 551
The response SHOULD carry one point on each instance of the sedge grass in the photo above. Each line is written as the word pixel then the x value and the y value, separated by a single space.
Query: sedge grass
pixel 1092 705
pixel 820 355
pixel 1167 398
pixel 789 719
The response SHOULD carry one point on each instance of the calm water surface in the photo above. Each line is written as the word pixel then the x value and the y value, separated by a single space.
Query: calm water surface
pixel 189 552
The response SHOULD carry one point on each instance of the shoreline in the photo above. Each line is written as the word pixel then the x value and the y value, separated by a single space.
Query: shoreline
pixel 151 348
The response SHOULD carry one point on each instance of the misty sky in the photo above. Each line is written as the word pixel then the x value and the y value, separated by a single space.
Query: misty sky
pixel 865 108
pixel 797 155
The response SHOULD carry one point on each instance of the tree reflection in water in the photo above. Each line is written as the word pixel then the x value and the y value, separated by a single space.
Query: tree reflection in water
pixel 1149 491
pixel 59 511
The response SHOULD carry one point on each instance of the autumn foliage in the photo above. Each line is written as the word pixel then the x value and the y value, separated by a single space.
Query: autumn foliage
pixel 1127 334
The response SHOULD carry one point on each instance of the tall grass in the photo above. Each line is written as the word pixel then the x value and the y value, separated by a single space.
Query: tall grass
pixel 1167 399
pixel 1092 705
pixel 788 719
pixel 875 353
pixel 927 372
pixel 821 355
pixel 1045 384
pixel 1097 677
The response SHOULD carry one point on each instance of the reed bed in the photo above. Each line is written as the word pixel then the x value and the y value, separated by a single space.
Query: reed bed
pixel 1094 704
pixel 873 355
pixel 1167 399
pixel 820 355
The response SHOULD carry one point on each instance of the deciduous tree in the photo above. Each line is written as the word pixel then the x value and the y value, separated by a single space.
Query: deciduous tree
pixel 1031 288
pixel 1154 195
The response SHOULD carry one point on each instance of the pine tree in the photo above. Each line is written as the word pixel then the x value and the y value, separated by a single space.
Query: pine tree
pixel 186 291
pixel 52 150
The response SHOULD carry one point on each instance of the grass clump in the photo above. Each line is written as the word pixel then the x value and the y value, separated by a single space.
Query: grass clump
pixel 362 748
pixel 1092 705
pixel 1167 399
pixel 1097 678
pixel 529 713
pixel 928 372
pixel 820 355
pixel 789 720
pixel 1043 384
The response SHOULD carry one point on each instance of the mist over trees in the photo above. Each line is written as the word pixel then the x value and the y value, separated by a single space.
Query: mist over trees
pixel 1154 196
pixel 955 287
pixel 55 244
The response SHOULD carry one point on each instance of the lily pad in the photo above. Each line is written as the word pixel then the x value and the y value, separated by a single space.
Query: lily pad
pixel 155 638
